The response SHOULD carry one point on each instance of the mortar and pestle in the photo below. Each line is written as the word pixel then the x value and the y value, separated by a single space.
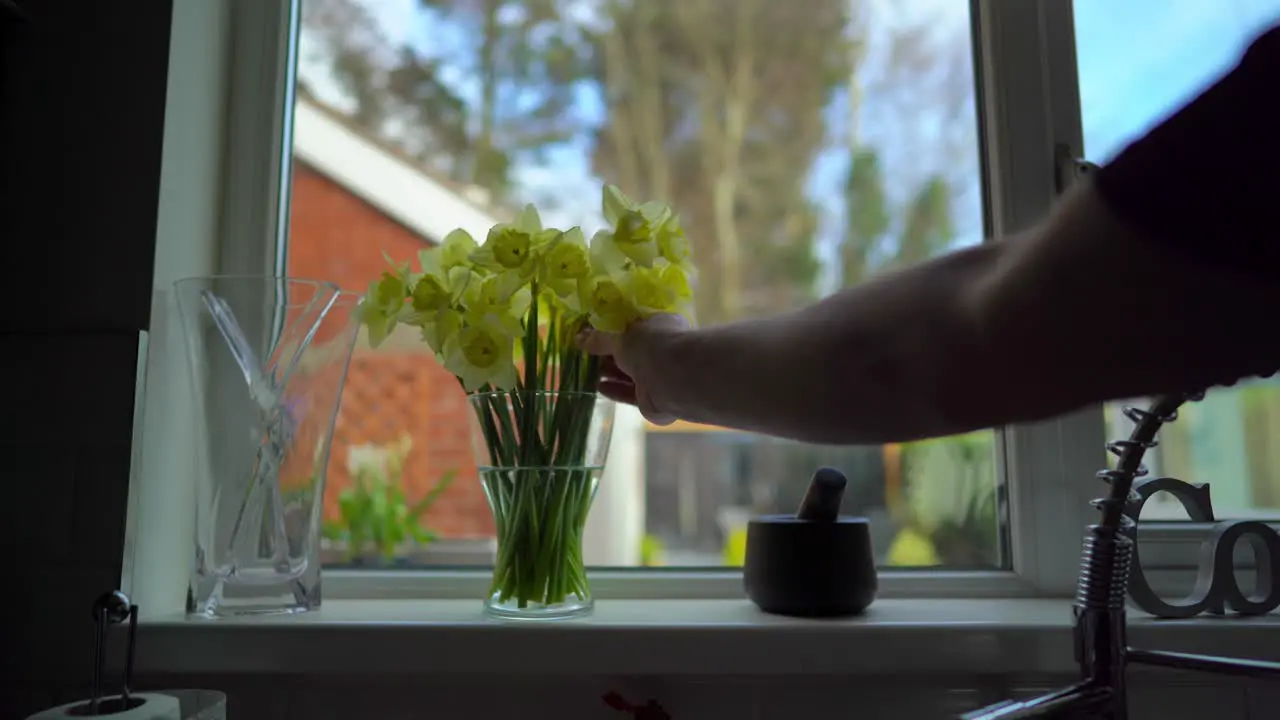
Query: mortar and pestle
pixel 815 563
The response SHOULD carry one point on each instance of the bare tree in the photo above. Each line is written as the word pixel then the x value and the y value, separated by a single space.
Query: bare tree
pixel 717 105
pixel 353 46
pixel 527 56
pixel 866 215
pixel 921 95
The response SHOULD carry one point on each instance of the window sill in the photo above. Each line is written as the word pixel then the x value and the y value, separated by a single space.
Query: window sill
pixel 667 637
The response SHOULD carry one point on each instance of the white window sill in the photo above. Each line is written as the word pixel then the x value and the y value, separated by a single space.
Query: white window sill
pixel 667 637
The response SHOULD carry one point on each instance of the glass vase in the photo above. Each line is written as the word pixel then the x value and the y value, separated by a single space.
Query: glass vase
pixel 268 359
pixel 540 455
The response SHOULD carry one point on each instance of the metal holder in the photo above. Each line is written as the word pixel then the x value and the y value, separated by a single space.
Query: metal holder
pixel 1101 648
pixel 111 609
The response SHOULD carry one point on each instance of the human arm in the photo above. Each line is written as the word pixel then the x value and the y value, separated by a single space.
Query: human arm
pixel 1078 310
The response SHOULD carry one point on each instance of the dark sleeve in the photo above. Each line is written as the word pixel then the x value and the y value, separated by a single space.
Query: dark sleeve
pixel 1207 180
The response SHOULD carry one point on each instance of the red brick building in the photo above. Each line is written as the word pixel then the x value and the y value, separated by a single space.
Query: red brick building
pixel 352 200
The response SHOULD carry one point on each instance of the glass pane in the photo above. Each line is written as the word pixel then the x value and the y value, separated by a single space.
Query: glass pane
pixel 1126 87
pixel 807 146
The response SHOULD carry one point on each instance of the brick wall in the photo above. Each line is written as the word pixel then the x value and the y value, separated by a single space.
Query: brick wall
pixel 399 388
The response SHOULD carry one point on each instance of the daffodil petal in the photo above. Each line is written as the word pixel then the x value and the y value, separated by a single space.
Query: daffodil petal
pixel 377 331
pixel 520 300
pixel 483 257
pixel 608 324
pixel 458 280
pixel 431 261
pixel 655 212
pixel 606 257
pixel 642 254
pixel 614 204
pixel 456 247
pixel 507 286
pixel 574 236
pixel 506 378
pixel 528 220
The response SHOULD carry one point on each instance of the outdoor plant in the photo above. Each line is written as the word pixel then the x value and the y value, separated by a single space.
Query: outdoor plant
pixel 968 538
pixel 958 528
pixel 652 551
pixel 374 513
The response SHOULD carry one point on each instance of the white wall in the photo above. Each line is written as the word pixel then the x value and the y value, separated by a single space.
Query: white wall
pixel 615 526
pixel 186 241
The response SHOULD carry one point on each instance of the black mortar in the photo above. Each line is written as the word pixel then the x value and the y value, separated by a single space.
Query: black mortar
pixel 814 563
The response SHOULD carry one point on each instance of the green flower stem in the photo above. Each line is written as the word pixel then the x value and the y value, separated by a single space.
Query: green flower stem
pixel 535 477
pixel 540 514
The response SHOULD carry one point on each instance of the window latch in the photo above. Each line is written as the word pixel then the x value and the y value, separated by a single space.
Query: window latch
pixel 1070 167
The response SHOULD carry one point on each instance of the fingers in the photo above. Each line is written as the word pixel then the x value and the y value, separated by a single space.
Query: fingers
pixel 651 412
pixel 667 321
pixel 616 383
pixel 624 391
pixel 609 369
pixel 618 391
pixel 597 342
pixel 621 391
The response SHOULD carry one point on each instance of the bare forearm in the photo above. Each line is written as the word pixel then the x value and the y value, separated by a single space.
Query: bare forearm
pixel 1076 311
pixel 893 359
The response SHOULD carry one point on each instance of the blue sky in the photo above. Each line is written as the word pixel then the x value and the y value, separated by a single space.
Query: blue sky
pixel 1137 61
pixel 1140 59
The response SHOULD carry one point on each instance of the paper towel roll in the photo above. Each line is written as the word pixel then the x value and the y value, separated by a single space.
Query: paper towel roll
pixel 153 707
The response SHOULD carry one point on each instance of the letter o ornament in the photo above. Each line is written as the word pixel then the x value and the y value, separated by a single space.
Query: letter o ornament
pixel 1216 588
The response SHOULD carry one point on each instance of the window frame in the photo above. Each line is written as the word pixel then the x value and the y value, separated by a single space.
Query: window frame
pixel 1027 101
pixel 1029 110
pixel 222 186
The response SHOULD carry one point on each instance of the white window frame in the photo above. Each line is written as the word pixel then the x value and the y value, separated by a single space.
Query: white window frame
pixel 223 183
pixel 1028 105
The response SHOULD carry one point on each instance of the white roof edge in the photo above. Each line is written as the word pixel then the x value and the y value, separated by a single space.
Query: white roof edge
pixel 389 183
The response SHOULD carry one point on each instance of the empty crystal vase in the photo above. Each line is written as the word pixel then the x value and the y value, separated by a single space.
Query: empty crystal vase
pixel 268 359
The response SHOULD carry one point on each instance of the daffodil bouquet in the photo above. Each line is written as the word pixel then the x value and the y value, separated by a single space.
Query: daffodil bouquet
pixel 502 317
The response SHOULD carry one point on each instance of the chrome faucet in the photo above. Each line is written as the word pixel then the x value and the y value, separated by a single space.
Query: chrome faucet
pixel 1101 649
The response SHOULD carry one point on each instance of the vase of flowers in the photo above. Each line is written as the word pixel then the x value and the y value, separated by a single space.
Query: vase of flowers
pixel 502 316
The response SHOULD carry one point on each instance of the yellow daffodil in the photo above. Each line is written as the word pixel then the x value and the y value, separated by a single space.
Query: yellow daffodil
pixel 434 297
pixel 442 326
pixel 606 305
pixel 456 249
pixel 605 255
pixel 614 203
pixel 501 300
pixel 636 228
pixel 514 247
pixel 567 261
pixel 663 288
pixel 440 284
pixel 430 294
pixel 567 308
pixel 673 246
pixel 384 303
pixel 479 355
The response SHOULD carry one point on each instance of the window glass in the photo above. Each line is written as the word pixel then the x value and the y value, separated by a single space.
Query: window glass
pixel 1139 61
pixel 808 146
